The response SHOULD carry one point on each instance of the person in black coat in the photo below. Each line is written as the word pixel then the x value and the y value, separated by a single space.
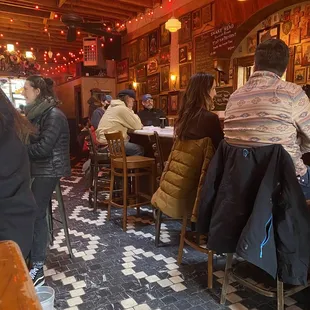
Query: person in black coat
pixel 17 204
pixel 49 157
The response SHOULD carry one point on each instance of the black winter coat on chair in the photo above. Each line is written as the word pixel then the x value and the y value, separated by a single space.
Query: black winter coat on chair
pixel 252 204
pixel 17 205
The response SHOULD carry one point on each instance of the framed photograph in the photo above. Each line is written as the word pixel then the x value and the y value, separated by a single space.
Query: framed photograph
pixel 308 74
pixel 251 44
pixel 152 66
pixel 305 54
pixel 173 102
pixel 164 56
pixel 268 33
pixel 185 33
pixel 122 71
pixel 196 19
pixel 185 74
pixel 153 84
pixel 164 78
pixel 141 73
pixel 183 54
pixel 156 101
pixel 163 103
pixel 295 36
pixel 206 14
pixel 133 54
pixel 153 43
pixel 165 36
pixel 131 74
pixel 142 48
pixel 300 76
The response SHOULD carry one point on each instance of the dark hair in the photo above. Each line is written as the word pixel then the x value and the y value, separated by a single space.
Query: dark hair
pixel 196 98
pixel 272 55
pixel 46 85
pixel 123 98
pixel 306 89
pixel 10 117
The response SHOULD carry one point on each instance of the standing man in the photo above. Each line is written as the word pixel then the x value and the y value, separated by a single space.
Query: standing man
pixel 149 115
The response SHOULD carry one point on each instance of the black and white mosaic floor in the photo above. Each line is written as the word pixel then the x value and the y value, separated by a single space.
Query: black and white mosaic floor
pixel 115 270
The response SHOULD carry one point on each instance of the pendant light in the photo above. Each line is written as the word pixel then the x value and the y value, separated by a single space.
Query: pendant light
pixel 173 24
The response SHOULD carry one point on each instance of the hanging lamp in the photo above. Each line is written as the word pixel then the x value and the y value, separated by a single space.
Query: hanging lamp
pixel 173 24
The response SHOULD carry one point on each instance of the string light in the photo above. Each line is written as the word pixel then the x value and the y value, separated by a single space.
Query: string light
pixel 36 7
pixel 55 16
pixel 11 20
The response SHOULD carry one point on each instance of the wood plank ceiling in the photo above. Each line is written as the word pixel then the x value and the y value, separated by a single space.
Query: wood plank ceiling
pixel 37 24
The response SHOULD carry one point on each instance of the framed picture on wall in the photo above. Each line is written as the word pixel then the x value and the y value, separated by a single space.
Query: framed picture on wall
pixel 183 54
pixel 153 43
pixel 164 55
pixel 131 74
pixel 133 53
pixel 196 19
pixel 251 44
pixel 268 33
pixel 295 36
pixel 141 73
pixel 142 48
pixel 153 84
pixel 185 74
pixel 185 33
pixel 308 75
pixel 122 71
pixel 305 54
pixel 165 36
pixel 206 14
pixel 163 103
pixel 173 102
pixel 152 66
pixel 164 78
pixel 300 76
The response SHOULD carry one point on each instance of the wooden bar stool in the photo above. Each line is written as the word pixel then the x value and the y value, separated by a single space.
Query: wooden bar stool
pixel 125 167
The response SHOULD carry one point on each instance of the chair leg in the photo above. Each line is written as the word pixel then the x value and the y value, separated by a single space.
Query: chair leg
pixel 280 295
pixel 182 238
pixel 157 227
pixel 153 179
pixel 63 217
pixel 125 190
pixel 210 269
pixel 96 171
pixel 91 185
pixel 137 191
pixel 226 278
pixel 112 181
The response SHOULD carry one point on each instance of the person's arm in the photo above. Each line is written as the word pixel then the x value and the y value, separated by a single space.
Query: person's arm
pixel 217 134
pixel 301 119
pixel 48 136
pixel 130 119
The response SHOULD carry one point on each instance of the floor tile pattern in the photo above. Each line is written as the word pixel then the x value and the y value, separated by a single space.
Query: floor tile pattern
pixel 115 270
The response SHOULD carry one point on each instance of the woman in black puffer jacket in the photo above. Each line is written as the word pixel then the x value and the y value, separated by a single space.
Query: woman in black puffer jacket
pixel 49 158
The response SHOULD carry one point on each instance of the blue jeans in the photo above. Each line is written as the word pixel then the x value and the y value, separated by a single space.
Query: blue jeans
pixel 304 182
pixel 133 149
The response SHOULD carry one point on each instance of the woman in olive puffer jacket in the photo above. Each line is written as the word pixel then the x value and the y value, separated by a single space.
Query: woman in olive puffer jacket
pixel 49 158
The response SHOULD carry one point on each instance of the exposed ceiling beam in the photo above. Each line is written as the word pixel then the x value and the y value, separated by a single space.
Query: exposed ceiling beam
pixel 61 3
pixel 143 3
pixel 23 11
pixel 116 5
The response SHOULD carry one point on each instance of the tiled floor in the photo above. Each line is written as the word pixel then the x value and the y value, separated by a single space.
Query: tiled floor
pixel 113 269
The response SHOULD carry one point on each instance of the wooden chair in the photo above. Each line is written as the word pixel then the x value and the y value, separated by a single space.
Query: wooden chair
pixel 280 292
pixel 160 164
pixel 198 242
pixel 99 162
pixel 125 167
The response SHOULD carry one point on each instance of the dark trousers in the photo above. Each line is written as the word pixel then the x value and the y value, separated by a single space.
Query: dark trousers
pixel 42 189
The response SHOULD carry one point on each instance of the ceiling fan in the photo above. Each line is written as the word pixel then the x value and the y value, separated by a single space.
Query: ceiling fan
pixel 74 21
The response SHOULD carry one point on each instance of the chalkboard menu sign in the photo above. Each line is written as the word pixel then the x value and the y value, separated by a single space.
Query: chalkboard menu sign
pixel 222 97
pixel 223 40
pixel 203 60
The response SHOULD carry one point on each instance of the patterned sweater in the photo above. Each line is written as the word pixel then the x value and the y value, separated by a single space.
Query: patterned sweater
pixel 268 110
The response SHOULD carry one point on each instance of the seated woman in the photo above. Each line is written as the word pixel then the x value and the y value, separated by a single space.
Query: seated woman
pixel 197 131
pixel 195 119
pixel 17 204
